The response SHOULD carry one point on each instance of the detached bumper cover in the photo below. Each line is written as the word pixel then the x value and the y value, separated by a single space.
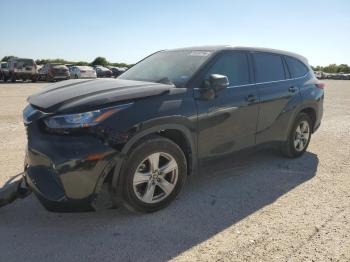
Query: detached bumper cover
pixel 67 184
pixel 13 189
pixel 66 173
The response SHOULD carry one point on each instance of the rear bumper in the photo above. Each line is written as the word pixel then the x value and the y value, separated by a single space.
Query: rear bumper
pixel 60 77
pixel 87 76
pixel 319 113
pixel 28 75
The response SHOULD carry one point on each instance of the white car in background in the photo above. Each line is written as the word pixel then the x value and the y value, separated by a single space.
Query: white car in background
pixel 82 72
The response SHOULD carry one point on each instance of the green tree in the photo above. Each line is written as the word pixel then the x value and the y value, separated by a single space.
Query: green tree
pixel 7 58
pixel 332 68
pixel 121 65
pixel 100 61
pixel 343 68
pixel 80 63
pixel 317 68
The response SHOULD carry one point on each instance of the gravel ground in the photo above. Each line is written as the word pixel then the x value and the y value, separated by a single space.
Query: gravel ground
pixel 258 207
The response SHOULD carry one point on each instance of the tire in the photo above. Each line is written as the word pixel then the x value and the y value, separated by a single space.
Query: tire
pixel 49 78
pixel 136 190
pixel 299 137
pixel 34 79
pixel 13 78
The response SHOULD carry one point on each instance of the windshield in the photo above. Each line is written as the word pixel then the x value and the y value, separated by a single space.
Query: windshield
pixel 169 67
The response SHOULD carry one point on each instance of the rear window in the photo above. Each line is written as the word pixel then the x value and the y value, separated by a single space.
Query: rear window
pixel 268 67
pixel 57 66
pixel 296 68
pixel 24 63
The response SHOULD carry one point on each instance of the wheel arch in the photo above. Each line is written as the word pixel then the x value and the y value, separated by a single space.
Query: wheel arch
pixel 311 112
pixel 309 109
pixel 179 134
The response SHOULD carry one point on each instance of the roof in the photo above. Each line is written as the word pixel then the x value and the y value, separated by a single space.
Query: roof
pixel 251 49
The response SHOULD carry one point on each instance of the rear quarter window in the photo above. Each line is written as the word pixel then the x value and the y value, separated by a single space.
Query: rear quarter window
pixel 268 67
pixel 296 68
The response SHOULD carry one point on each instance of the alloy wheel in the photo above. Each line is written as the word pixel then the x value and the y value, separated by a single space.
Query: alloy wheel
pixel 155 177
pixel 302 136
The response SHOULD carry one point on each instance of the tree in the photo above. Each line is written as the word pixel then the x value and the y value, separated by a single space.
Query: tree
pixel 343 68
pixel 7 58
pixel 332 68
pixel 100 61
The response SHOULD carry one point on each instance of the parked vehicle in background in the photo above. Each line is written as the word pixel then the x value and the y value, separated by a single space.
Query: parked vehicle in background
pixel 344 76
pixel 40 76
pixel 320 74
pixel 102 71
pixel 347 76
pixel 54 72
pixel 82 72
pixel 117 71
pixel 330 76
pixel 4 71
pixel 143 133
pixel 22 68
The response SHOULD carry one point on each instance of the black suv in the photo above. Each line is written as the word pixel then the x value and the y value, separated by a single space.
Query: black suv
pixel 135 139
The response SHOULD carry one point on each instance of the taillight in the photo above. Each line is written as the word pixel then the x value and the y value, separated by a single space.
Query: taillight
pixel 321 85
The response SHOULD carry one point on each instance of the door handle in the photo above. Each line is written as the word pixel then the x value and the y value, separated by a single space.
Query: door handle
pixel 292 89
pixel 251 98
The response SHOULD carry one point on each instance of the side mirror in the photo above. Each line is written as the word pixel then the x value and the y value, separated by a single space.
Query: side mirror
pixel 218 82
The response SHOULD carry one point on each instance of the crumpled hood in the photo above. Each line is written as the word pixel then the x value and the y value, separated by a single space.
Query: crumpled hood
pixel 76 95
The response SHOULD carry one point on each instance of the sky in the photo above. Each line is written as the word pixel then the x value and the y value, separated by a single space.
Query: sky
pixel 127 31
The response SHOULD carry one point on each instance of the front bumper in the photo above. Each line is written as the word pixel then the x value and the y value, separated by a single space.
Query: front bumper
pixel 66 173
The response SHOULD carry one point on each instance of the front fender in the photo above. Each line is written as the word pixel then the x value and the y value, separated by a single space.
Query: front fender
pixel 147 128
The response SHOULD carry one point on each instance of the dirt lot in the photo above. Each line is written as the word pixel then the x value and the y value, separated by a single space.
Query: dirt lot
pixel 260 207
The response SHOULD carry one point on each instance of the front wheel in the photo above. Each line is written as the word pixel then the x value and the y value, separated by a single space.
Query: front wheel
pixel 153 175
pixel 299 137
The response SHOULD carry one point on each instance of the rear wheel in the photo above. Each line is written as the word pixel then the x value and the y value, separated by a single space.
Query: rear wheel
pixel 299 137
pixel 13 78
pixel 49 78
pixel 153 175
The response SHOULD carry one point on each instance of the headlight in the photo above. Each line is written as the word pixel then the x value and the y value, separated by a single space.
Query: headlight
pixel 83 120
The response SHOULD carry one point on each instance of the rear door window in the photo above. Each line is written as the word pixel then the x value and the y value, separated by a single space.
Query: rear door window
pixel 268 67
pixel 296 68
pixel 233 65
